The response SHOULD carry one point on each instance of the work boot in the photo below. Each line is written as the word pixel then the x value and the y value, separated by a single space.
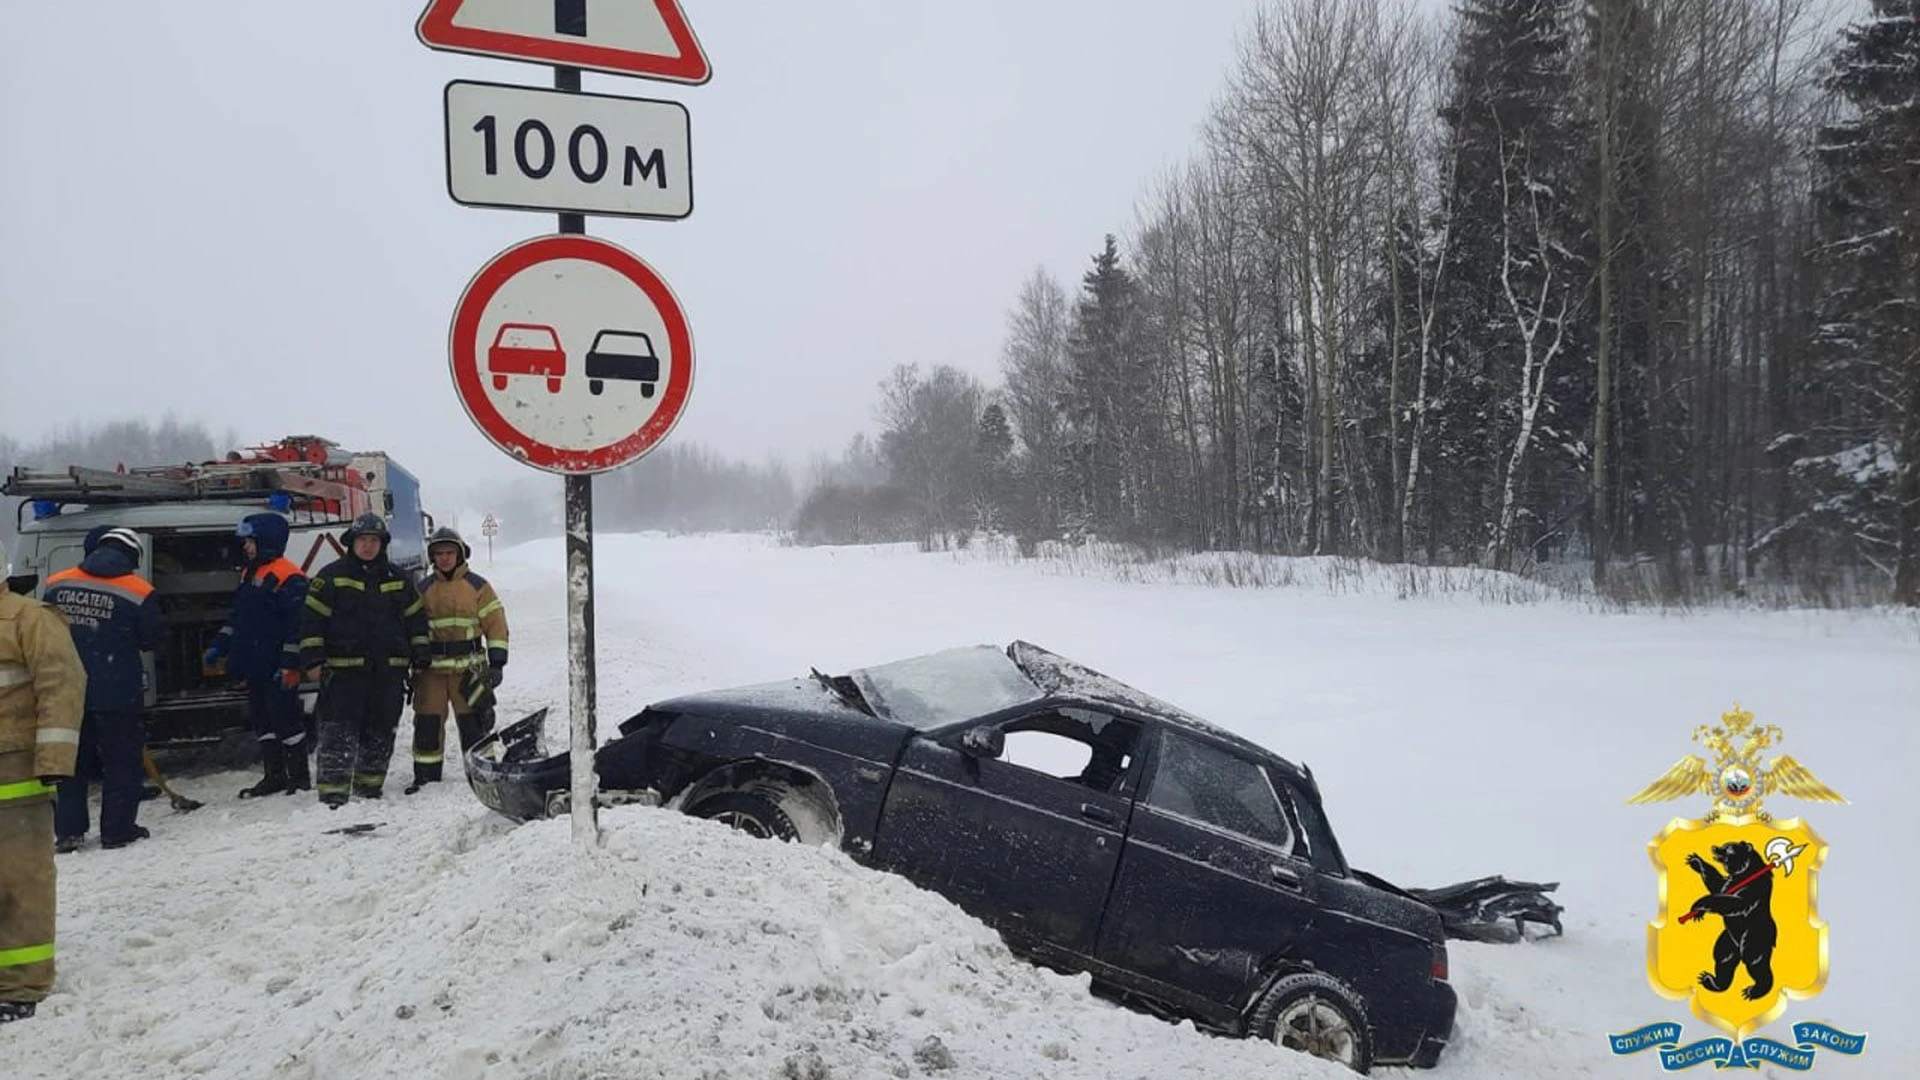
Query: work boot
pixel 299 778
pixel 424 773
pixel 139 833
pixel 67 845
pixel 15 1010
pixel 273 758
pixel 474 727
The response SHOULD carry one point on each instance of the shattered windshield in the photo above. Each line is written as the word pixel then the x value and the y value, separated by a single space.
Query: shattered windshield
pixel 944 687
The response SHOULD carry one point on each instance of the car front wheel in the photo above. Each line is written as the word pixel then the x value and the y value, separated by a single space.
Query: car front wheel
pixel 1314 1013
pixel 750 812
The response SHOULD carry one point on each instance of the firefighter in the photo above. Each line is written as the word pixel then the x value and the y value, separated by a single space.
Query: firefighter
pixel 43 690
pixel 468 626
pixel 114 617
pixel 364 627
pixel 261 647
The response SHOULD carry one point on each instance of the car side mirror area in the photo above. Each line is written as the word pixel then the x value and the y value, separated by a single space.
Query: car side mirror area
pixel 982 742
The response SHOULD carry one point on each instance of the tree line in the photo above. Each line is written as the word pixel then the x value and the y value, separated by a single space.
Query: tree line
pixel 1627 281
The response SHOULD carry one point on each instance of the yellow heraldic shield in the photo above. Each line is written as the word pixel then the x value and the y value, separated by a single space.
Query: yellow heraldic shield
pixel 1738 931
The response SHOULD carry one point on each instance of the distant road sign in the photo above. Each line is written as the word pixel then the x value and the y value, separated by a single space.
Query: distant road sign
pixel 649 39
pixel 522 148
pixel 571 354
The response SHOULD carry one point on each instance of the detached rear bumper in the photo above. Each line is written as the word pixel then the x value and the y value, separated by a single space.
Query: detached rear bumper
pixel 512 774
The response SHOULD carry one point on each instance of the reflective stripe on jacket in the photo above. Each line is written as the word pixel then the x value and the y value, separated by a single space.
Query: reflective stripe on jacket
pixel 363 614
pixel 43 690
pixel 465 618
pixel 114 617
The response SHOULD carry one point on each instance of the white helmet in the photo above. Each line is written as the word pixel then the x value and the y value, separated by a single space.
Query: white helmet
pixel 126 538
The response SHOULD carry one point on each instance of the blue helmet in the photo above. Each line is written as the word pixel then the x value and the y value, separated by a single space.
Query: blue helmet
pixel 268 532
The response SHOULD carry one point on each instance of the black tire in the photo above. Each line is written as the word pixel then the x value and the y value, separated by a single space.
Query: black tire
pixel 750 812
pixel 1315 1014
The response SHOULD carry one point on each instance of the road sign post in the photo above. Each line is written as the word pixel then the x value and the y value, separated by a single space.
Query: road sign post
pixel 573 356
pixel 569 353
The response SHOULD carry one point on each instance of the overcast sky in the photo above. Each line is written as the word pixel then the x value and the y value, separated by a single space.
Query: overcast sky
pixel 236 211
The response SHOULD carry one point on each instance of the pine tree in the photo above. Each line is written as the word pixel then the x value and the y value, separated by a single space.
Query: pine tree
pixel 1513 302
pixel 1870 203
pixel 993 450
pixel 1106 394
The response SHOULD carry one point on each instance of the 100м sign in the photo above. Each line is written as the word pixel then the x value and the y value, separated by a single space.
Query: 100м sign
pixel 521 148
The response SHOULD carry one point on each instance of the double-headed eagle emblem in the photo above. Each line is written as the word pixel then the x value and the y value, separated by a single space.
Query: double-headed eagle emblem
pixel 1737 781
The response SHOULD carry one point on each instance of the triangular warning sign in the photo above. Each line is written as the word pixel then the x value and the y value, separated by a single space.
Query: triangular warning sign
pixel 647 38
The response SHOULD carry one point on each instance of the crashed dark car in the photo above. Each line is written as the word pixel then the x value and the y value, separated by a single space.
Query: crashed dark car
pixel 1190 872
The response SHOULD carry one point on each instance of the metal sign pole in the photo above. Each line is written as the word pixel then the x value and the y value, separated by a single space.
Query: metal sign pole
pixel 580 673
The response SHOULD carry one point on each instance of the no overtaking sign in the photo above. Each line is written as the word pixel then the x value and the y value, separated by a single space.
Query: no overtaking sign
pixel 571 354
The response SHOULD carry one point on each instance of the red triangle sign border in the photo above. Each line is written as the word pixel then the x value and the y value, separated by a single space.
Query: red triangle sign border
pixel 436 30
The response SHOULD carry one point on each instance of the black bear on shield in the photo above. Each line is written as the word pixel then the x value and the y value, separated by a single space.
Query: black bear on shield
pixel 1749 931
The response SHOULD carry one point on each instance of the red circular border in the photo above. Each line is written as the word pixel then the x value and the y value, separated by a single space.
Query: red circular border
pixel 463 346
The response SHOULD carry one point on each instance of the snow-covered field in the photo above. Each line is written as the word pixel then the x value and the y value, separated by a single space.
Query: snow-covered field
pixel 1452 738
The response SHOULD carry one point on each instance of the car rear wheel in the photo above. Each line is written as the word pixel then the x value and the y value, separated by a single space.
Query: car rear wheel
pixel 750 812
pixel 1315 1014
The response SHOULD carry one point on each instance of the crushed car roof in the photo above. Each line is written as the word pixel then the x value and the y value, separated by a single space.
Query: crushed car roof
pixel 1058 676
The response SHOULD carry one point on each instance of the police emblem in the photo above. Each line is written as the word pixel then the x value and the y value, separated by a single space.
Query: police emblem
pixel 1738 933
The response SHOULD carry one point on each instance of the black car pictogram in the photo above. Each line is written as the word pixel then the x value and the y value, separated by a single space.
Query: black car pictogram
pixel 622 354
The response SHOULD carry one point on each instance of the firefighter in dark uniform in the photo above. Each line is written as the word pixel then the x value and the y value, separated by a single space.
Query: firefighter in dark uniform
pixel 114 617
pixel 364 630
pixel 468 625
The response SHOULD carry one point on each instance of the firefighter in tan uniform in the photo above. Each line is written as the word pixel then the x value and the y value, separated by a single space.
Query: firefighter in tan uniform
pixel 468 628
pixel 43 691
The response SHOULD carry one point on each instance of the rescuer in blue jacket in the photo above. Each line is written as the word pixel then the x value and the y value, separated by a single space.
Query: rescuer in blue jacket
pixel 261 645
pixel 114 617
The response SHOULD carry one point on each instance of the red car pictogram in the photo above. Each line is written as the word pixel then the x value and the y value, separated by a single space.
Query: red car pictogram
pixel 526 349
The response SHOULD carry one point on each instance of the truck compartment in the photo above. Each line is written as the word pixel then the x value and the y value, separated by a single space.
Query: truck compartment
pixel 194 576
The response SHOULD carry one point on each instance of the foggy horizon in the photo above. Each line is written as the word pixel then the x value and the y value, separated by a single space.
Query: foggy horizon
pixel 242 221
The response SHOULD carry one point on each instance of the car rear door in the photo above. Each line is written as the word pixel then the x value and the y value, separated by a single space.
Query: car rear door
pixel 1209 887
pixel 1030 853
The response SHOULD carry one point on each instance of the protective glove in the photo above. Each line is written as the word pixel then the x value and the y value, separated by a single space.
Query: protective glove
pixel 290 678
pixel 496 658
pixel 494 676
